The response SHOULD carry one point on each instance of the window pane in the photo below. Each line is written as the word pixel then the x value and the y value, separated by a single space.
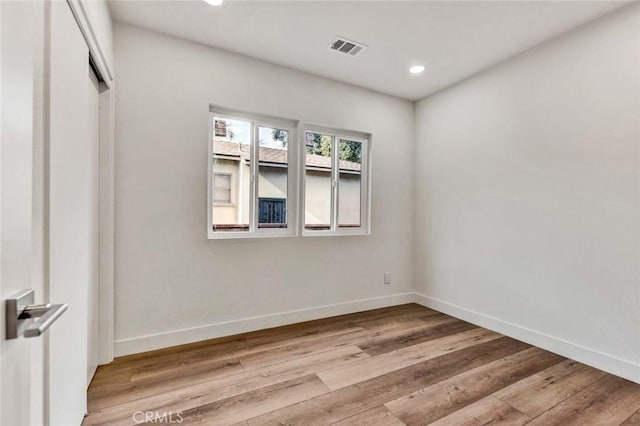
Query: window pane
pixel 272 177
pixel 231 158
pixel 318 181
pixel 350 184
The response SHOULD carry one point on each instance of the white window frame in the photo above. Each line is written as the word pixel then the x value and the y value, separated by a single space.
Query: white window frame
pixel 256 121
pixel 365 181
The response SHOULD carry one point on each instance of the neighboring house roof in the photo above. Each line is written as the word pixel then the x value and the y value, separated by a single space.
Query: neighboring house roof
pixel 277 156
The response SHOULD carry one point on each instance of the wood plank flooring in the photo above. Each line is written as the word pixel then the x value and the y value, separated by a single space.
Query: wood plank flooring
pixel 404 365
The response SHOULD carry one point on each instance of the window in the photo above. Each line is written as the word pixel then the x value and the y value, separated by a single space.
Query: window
pixel 273 177
pixel 266 176
pixel 318 182
pixel 253 179
pixel 336 183
pixel 222 188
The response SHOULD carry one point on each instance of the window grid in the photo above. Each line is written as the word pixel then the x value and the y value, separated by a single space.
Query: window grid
pixel 251 170
pixel 346 172
pixel 362 228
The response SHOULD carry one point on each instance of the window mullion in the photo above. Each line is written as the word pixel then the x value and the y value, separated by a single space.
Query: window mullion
pixel 253 217
pixel 335 173
pixel 364 187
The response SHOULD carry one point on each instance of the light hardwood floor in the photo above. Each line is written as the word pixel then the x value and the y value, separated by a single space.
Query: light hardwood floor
pixel 404 365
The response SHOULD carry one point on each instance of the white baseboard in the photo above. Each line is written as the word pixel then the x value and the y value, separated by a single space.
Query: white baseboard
pixel 228 328
pixel 609 363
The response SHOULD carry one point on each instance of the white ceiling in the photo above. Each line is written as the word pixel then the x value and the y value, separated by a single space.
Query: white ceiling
pixel 454 39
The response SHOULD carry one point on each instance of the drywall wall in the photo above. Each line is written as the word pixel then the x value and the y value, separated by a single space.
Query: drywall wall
pixel 173 284
pixel 527 196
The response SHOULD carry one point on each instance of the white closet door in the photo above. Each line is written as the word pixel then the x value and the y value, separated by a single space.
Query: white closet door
pixel 93 108
pixel 70 216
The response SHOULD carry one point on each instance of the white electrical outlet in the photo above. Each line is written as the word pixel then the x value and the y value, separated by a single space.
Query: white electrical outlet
pixel 387 278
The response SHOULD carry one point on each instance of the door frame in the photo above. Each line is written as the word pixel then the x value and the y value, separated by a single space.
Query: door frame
pixel 106 236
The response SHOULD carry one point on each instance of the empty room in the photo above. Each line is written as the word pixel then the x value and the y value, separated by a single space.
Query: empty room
pixel 314 213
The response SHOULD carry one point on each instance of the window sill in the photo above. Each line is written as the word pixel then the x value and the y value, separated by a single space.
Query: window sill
pixel 247 235
pixel 285 233
pixel 225 232
pixel 344 232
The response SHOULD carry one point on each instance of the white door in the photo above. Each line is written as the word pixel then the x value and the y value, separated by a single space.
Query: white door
pixel 21 213
pixel 48 209
pixel 72 171
pixel 93 198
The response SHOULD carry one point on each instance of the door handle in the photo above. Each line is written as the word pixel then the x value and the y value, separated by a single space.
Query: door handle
pixel 23 317
pixel 46 314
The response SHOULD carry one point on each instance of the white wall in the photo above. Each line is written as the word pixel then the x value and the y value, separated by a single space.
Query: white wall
pixel 527 196
pixel 169 277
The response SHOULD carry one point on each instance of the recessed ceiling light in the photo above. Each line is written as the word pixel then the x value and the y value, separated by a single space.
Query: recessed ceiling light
pixel 214 2
pixel 416 69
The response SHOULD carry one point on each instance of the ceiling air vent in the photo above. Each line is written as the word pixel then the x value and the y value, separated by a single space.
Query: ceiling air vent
pixel 348 47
